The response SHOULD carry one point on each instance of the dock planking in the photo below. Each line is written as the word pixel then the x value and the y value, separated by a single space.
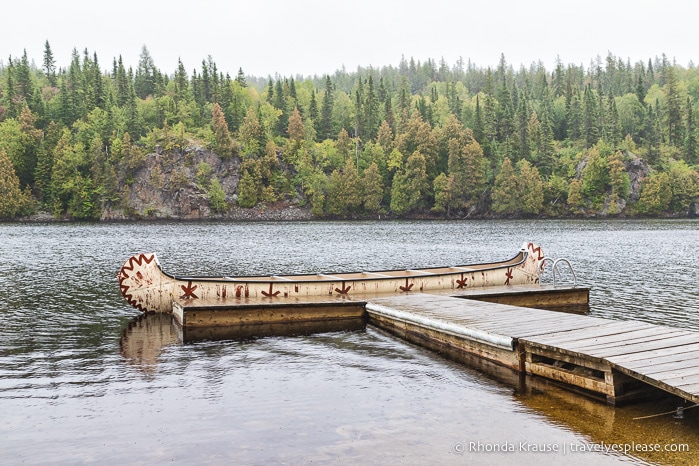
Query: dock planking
pixel 614 359
pixel 497 324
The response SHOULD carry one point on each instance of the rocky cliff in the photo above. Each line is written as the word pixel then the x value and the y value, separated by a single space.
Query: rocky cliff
pixel 172 185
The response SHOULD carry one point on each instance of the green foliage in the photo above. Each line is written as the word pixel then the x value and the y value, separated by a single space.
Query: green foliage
pixel 684 186
pixel 247 191
pixel 344 194
pixel 505 190
pixel 372 188
pixel 13 201
pixel 410 185
pixel 203 175
pixel 216 196
pixel 224 145
pixel 595 177
pixel 530 188
pixel 420 135
pixel 442 193
pixel 656 194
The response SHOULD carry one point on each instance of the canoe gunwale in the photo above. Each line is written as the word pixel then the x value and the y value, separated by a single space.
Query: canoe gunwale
pixel 378 275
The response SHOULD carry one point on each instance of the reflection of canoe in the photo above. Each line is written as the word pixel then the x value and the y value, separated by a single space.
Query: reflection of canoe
pixel 146 287
pixel 145 337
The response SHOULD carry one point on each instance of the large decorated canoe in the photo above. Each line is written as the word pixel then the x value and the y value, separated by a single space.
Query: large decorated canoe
pixel 148 288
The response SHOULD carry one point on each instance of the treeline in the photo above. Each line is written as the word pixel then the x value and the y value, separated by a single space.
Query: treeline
pixel 413 139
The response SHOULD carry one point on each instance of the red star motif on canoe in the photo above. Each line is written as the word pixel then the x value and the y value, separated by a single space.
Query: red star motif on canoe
pixel 406 287
pixel 461 283
pixel 508 274
pixel 189 291
pixel 344 289
pixel 270 294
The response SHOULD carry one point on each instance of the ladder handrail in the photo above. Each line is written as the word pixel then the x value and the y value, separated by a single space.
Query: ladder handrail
pixel 555 269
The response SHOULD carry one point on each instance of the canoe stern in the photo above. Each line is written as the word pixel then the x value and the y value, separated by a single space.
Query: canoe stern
pixel 144 285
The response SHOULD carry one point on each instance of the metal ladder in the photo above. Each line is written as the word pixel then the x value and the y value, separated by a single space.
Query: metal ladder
pixel 555 268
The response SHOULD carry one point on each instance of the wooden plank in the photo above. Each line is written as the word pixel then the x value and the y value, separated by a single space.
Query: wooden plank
pixel 680 381
pixel 631 335
pixel 538 330
pixel 671 342
pixel 648 365
pixel 532 353
pixel 606 329
pixel 674 373
pixel 537 346
pixel 613 341
pixel 595 385
pixel 649 355
pixel 691 389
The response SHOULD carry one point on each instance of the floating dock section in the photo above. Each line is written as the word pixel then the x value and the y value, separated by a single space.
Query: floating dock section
pixel 614 360
pixel 508 326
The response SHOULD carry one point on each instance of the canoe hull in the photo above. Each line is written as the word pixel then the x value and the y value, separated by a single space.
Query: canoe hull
pixel 146 287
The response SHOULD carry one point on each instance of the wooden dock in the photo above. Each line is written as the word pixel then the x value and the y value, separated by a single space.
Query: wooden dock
pixel 614 360
pixel 247 318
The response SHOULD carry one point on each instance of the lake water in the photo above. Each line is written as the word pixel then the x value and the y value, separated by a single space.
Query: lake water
pixel 69 394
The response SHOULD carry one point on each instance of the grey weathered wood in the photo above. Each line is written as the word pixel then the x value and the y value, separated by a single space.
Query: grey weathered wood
pixel 661 356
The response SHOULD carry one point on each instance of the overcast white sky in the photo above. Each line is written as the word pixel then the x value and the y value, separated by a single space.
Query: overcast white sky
pixel 307 37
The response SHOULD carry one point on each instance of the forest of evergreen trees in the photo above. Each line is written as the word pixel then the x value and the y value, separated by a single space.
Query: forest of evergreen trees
pixel 422 138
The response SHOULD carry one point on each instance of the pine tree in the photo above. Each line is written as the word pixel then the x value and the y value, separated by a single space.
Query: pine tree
pixel 523 116
pixel 505 191
pixel 240 78
pixel 144 79
pixel 385 137
pixel 590 118
pixel 49 65
pixel 478 130
pixel 250 133
pixel 371 111
pixel 690 139
pixel 613 130
pixel 181 83
pixel 23 78
pixel 326 112
pixel 313 112
pixel 224 142
pixel 372 188
pixel 296 130
pixel 530 188
pixel 673 107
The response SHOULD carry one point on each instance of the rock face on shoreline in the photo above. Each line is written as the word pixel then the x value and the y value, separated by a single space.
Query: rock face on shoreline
pixel 170 185
pixel 174 184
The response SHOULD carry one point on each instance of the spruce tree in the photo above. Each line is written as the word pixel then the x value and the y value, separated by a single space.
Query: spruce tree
pixel 49 65
pixel 313 114
pixel 240 78
pixel 673 107
pixel 144 79
pixel 690 139
pixel 326 112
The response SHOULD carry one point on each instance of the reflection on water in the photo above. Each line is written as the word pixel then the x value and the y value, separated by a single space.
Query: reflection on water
pixel 145 337
pixel 82 381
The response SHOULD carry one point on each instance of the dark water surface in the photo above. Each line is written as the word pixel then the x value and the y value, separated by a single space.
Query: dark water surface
pixel 68 394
